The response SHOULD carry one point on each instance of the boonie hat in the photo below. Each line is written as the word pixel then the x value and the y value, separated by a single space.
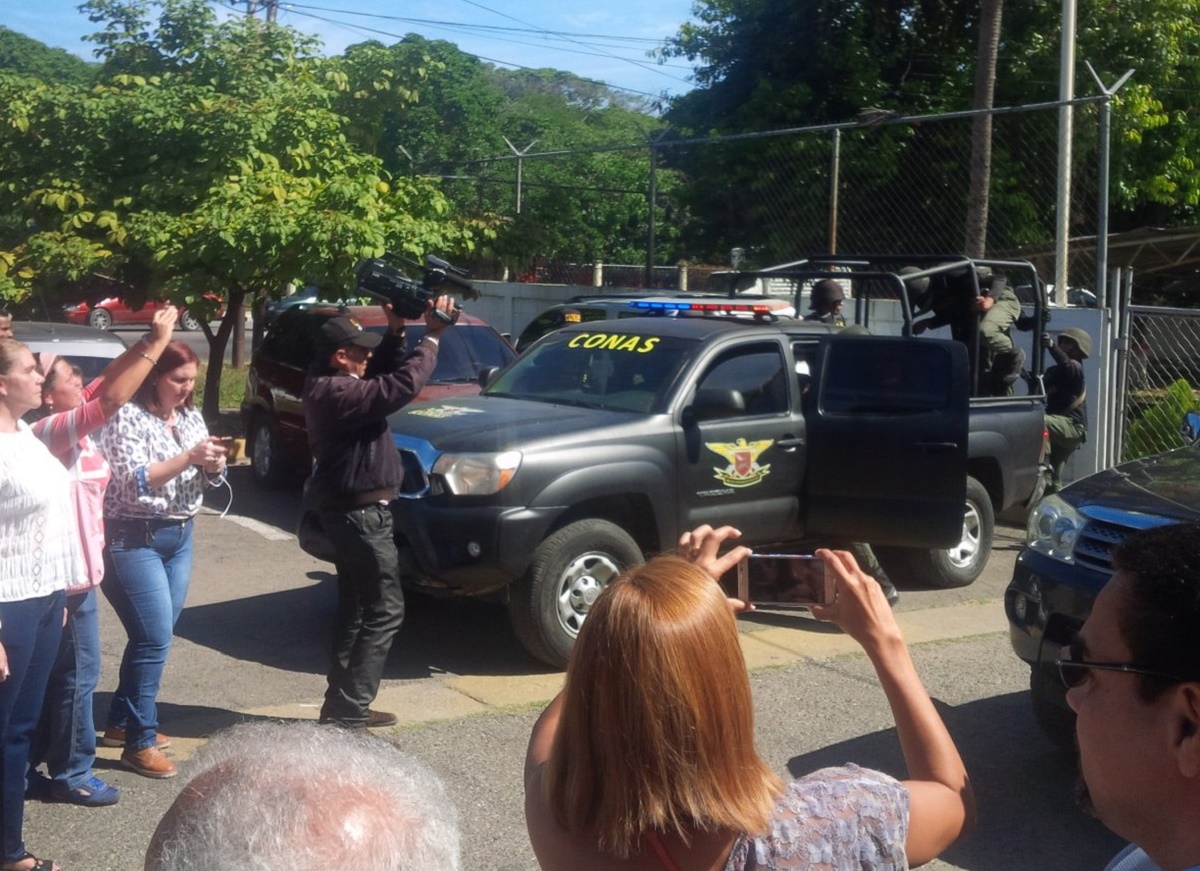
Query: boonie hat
pixel 344 330
pixel 1080 338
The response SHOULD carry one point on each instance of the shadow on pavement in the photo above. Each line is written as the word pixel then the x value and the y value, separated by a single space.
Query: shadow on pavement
pixel 1025 792
pixel 290 630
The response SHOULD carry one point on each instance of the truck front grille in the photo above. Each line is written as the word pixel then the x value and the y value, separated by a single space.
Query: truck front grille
pixel 416 482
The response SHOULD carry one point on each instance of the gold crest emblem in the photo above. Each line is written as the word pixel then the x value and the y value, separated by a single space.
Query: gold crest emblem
pixel 744 469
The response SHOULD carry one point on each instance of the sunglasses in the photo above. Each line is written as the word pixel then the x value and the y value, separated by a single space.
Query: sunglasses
pixel 1074 670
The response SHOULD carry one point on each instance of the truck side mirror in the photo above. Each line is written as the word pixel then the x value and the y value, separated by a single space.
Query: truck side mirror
pixel 713 403
pixel 486 376
pixel 1189 427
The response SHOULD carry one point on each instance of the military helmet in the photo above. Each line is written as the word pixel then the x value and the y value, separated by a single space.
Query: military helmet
pixel 1081 338
pixel 825 292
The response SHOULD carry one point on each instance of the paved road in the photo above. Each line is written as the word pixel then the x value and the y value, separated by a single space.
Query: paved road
pixel 252 644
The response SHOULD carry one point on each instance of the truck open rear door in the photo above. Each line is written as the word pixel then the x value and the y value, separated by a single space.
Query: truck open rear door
pixel 887 441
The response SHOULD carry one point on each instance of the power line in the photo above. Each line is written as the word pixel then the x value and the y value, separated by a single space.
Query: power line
pixel 561 36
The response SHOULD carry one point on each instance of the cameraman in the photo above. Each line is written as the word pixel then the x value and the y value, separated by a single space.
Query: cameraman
pixel 357 379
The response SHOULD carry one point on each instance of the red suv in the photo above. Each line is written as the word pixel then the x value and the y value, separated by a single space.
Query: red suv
pixel 271 409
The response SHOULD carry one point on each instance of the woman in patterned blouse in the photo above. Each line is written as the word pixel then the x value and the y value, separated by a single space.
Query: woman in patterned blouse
pixel 162 459
pixel 646 761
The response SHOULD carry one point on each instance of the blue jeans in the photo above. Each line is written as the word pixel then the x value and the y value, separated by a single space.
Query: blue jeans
pixel 29 630
pixel 147 569
pixel 66 736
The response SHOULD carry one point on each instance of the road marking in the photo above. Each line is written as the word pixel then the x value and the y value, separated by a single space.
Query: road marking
pixel 271 533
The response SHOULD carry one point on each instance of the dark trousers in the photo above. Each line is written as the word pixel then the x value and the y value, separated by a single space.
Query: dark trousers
pixel 369 612
pixel 29 630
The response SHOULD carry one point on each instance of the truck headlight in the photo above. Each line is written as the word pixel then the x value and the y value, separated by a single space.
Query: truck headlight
pixel 1053 528
pixel 477 474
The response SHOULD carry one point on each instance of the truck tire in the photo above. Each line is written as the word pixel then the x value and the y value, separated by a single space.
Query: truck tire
pixel 1055 721
pixel 548 605
pixel 960 565
pixel 265 455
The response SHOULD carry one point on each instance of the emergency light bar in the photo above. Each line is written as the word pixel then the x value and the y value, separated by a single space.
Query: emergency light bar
pixel 722 307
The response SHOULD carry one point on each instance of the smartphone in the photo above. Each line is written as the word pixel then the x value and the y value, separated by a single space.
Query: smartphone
pixel 780 580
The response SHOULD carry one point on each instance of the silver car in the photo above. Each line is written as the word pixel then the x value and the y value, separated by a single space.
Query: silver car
pixel 88 348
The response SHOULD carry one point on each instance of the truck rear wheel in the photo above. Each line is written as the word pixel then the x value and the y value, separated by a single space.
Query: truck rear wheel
pixel 960 565
pixel 569 570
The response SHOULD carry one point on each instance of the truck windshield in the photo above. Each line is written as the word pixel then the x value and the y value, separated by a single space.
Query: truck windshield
pixel 599 367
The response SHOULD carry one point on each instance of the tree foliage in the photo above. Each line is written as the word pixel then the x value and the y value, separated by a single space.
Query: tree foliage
pixel 210 159
pixel 766 65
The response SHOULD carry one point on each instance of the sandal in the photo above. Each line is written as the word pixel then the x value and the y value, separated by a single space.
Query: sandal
pixel 38 864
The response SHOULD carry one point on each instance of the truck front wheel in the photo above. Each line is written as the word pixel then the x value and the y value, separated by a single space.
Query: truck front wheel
pixel 960 565
pixel 569 570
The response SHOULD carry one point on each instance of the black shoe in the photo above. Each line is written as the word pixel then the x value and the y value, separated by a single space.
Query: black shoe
pixel 889 590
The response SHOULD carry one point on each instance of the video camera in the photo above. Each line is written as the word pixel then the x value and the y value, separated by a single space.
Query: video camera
pixel 383 279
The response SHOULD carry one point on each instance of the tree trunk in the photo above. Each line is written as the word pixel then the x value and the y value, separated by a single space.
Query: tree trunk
pixel 216 354
pixel 991 13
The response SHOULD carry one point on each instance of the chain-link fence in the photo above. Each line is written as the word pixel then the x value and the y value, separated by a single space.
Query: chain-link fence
pixel 1162 378
pixel 892 184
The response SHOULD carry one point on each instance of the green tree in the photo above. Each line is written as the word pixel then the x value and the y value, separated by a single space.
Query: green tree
pixel 211 160
pixel 20 54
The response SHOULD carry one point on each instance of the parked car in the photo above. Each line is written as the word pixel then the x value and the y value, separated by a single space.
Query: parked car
pixel 111 312
pixel 306 297
pixel 272 409
pixel 1067 559
pixel 89 349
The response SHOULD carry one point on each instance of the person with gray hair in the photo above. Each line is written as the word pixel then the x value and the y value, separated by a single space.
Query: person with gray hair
pixel 303 797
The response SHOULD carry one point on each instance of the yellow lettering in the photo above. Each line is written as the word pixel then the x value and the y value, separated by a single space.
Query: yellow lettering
pixel 630 344
pixel 648 345
pixel 596 340
pixel 574 343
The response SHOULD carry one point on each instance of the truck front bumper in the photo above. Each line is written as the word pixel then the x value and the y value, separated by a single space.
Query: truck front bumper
pixel 1046 602
pixel 467 551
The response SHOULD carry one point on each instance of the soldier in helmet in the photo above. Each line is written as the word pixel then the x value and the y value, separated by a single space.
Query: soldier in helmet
pixel 991 314
pixel 1066 411
pixel 826 303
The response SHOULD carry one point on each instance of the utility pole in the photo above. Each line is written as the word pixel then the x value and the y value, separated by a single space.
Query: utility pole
pixel 271 8
pixel 520 153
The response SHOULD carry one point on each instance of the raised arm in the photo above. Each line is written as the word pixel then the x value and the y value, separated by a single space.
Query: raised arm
pixel 124 375
pixel 941 802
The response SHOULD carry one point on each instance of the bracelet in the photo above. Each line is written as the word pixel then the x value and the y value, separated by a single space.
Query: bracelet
pixel 146 356
pixel 428 338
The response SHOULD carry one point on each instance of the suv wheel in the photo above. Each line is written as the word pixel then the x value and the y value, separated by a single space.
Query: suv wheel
pixel 189 321
pixel 265 457
pixel 570 569
pixel 100 319
pixel 961 564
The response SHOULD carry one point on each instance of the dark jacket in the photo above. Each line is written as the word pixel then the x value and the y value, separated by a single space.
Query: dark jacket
pixel 1064 386
pixel 347 423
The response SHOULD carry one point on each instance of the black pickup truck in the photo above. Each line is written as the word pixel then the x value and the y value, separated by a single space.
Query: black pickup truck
pixel 605 441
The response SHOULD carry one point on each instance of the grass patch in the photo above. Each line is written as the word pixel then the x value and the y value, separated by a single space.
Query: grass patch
pixel 233 386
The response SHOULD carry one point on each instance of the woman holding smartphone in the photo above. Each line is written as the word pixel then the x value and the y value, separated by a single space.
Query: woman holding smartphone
pixel 646 760
pixel 162 459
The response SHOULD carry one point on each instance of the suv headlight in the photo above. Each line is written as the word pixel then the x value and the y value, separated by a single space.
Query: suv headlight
pixel 477 474
pixel 1053 528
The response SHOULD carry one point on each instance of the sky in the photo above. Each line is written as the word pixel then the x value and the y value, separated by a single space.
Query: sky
pixel 604 40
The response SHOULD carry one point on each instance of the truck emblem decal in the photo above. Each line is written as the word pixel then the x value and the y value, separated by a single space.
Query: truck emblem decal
pixel 743 469
pixel 441 412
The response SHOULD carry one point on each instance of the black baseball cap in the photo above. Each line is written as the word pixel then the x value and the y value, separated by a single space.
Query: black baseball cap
pixel 344 330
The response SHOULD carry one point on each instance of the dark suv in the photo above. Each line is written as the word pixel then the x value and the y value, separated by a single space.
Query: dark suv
pixel 1067 559
pixel 272 411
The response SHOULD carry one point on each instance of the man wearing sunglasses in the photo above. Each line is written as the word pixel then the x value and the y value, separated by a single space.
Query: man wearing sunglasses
pixel 1133 678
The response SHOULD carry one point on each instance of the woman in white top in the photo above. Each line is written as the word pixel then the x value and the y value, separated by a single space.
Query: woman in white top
pixel 39 557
